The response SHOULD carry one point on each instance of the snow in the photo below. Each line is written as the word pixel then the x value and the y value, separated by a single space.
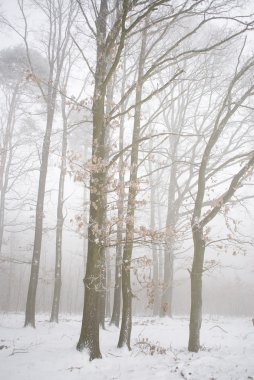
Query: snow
pixel 48 352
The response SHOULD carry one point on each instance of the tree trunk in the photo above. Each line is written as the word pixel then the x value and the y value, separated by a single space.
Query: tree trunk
pixel 126 325
pixel 105 266
pixel 108 287
pixel 103 289
pixel 60 222
pixel 31 296
pixel 6 159
pixel 3 195
pixel 89 335
pixel 166 299
pixel 196 290
pixel 125 332
pixel 56 60
pixel 156 301
pixel 154 250
pixel 115 319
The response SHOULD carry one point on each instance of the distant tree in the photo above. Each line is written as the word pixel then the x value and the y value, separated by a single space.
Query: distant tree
pixel 15 88
pixel 60 18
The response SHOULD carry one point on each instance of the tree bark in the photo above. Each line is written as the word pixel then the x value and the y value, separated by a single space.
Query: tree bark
pixel 167 293
pixel 154 249
pixel 89 335
pixel 6 159
pixel 108 287
pixel 115 319
pixel 56 58
pixel 31 296
pixel 60 222
pixel 105 266
pixel 196 290
pixel 126 325
pixel 156 301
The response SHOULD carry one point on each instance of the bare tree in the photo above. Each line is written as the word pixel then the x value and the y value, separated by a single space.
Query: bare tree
pixel 105 42
pixel 235 97
pixel 60 18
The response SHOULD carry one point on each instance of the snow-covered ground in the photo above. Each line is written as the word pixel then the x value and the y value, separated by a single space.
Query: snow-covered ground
pixel 159 351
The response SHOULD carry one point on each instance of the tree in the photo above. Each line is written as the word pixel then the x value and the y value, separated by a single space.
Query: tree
pixel 16 87
pixel 60 18
pixel 60 216
pixel 106 41
pixel 235 97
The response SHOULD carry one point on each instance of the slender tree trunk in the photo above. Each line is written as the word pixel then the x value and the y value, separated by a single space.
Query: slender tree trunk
pixel 58 41
pixel 108 287
pixel 196 290
pixel 154 250
pixel 31 296
pixel 56 57
pixel 156 301
pixel 60 222
pixel 3 195
pixel 160 250
pixel 166 299
pixel 105 267
pixel 125 332
pixel 115 319
pixel 6 159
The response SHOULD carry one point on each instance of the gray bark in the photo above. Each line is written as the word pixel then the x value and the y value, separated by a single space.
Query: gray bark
pixel 56 65
pixel 6 154
pixel 115 319
pixel 60 222
pixel 126 325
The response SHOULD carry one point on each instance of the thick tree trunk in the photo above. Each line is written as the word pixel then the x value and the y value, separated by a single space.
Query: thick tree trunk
pixel 89 335
pixel 103 288
pixel 60 222
pixel 85 202
pixel 196 290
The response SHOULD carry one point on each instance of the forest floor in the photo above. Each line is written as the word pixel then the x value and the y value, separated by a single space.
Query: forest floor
pixel 159 351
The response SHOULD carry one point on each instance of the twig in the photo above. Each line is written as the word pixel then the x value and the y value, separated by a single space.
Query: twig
pixel 219 328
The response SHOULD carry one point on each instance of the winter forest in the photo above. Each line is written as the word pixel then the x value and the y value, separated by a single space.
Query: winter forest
pixel 126 189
